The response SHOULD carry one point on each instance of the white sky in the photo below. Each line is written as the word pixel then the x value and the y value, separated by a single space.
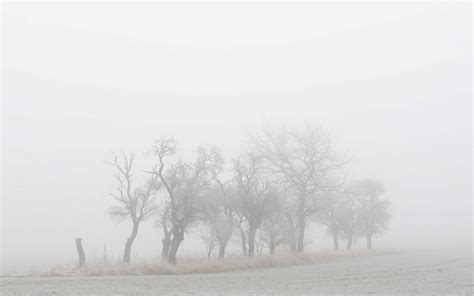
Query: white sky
pixel 391 82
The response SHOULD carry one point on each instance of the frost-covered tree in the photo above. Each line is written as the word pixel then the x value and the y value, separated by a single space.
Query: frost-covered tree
pixel 349 223
pixel 332 215
pixel 208 236
pixel 275 230
pixel 183 184
pixel 305 159
pixel 218 209
pixel 218 220
pixel 253 193
pixel 133 202
pixel 372 209
pixel 241 225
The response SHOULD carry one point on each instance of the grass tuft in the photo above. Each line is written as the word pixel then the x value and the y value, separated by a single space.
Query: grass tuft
pixel 203 265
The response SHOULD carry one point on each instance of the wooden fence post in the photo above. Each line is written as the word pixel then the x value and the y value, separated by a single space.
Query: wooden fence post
pixel 80 252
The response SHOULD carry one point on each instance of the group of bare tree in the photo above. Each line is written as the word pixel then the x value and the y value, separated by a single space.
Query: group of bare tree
pixel 357 211
pixel 266 196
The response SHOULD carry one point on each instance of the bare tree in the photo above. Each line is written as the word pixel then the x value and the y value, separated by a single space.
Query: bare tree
pixel 372 209
pixel 240 223
pixel 208 236
pixel 253 193
pixel 306 160
pixel 260 243
pixel 183 184
pixel 136 203
pixel 275 230
pixel 218 220
pixel 164 221
pixel 332 215
pixel 290 218
pixel 349 223
pixel 218 210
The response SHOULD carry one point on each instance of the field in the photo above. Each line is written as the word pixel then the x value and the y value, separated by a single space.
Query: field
pixel 410 272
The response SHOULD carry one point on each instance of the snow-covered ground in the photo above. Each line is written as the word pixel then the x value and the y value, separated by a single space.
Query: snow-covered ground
pixel 428 272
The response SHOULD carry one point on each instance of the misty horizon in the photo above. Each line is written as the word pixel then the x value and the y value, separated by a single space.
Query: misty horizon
pixel 390 83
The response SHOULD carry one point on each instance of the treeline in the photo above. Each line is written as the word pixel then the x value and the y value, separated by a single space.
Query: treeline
pixel 266 196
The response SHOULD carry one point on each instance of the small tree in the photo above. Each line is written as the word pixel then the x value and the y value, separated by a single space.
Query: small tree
pixel 218 210
pixel 275 229
pixel 291 221
pixel 241 225
pixel 208 236
pixel 349 223
pixel 260 243
pixel 217 219
pixel 184 184
pixel 332 215
pixel 305 159
pixel 253 193
pixel 372 209
pixel 136 203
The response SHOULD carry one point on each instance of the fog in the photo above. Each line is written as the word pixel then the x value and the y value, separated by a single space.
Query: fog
pixel 391 83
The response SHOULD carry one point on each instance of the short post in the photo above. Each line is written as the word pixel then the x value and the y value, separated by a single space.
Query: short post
pixel 105 254
pixel 80 253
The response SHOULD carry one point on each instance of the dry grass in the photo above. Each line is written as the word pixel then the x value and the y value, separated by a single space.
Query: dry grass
pixel 190 266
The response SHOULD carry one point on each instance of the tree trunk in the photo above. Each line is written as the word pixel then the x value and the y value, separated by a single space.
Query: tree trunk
pixel 165 251
pixel 209 253
pixel 349 242
pixel 301 230
pixel 252 232
pixel 128 244
pixel 301 223
pixel 222 250
pixel 243 240
pixel 291 233
pixel 369 242
pixel 272 247
pixel 260 249
pixel 166 242
pixel 178 237
pixel 336 240
pixel 80 253
pixel 293 240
